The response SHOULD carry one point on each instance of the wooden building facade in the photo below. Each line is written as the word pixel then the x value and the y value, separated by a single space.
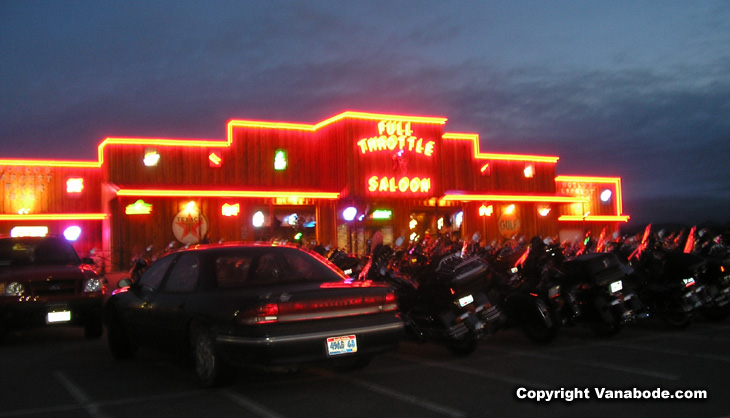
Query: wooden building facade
pixel 335 183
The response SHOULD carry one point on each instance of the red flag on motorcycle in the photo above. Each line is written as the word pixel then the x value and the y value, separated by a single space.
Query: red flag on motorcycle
pixel 689 245
pixel 644 243
pixel 521 261
pixel 601 240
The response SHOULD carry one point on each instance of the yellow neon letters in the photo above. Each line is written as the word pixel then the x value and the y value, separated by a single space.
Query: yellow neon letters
pixel 396 135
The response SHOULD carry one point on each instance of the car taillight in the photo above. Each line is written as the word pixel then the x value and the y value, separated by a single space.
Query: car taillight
pixel 263 314
pixel 292 311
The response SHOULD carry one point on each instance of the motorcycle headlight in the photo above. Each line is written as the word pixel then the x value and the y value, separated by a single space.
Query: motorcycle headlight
pixel 12 289
pixel 93 285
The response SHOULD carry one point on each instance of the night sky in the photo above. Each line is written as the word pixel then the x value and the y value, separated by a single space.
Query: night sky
pixel 634 89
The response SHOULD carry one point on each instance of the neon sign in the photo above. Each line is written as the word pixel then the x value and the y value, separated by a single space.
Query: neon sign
pixel 29 231
pixel 230 210
pixel 140 207
pixel 151 158
pixel 395 135
pixel 382 214
pixel 402 185
pixel 215 159
pixel 74 185
pixel 280 160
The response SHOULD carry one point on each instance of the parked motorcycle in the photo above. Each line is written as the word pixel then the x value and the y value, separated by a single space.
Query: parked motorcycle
pixel 589 289
pixel 715 279
pixel 144 259
pixel 666 282
pixel 140 263
pixel 444 301
pixel 522 306
pixel 350 264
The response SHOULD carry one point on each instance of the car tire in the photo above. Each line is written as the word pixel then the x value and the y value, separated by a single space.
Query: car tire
pixel 121 346
pixel 208 363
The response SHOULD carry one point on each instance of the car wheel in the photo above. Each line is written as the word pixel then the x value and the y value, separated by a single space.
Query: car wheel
pixel 121 346
pixel 208 364
pixel 93 328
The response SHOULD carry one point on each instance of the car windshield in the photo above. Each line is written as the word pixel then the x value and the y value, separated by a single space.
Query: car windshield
pixel 256 266
pixel 31 251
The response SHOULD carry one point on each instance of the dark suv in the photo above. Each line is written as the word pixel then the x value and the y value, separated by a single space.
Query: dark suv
pixel 43 282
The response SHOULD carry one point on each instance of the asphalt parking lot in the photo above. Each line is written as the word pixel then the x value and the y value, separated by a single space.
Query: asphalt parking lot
pixel 56 373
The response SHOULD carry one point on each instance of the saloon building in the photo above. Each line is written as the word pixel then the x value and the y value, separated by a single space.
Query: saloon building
pixel 334 182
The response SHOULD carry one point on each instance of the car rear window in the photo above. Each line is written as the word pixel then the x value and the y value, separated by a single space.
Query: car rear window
pixel 259 266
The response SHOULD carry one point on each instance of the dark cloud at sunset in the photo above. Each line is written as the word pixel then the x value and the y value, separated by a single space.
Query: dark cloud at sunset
pixel 638 90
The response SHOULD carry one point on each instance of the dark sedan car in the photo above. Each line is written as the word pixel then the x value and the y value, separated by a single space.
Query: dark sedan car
pixel 43 282
pixel 246 304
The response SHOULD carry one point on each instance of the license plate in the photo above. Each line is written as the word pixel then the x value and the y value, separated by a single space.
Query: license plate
pixel 466 300
pixel 616 286
pixel 341 345
pixel 58 316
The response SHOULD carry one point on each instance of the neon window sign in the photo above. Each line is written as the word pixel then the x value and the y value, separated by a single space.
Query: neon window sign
pixel 230 210
pixel 399 185
pixel 140 207
pixel 280 160
pixel 382 214
pixel 74 185
pixel 151 158
pixel 214 159
pixel 29 231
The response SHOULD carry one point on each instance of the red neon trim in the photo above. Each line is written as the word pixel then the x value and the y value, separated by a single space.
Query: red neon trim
pixel 214 143
pixel 52 163
pixel 513 198
pixel 616 181
pixel 54 217
pixel 492 156
pixel 162 142
pixel 226 193
pixel 329 121
pixel 594 218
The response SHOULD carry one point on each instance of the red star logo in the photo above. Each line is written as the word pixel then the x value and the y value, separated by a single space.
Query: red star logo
pixel 189 226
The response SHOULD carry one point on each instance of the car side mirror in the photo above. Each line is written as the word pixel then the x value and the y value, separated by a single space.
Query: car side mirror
pixel 124 283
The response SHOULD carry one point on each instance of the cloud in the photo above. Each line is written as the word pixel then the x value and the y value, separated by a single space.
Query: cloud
pixel 651 111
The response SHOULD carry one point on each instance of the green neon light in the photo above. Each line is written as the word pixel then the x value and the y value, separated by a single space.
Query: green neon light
pixel 280 160
pixel 382 214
